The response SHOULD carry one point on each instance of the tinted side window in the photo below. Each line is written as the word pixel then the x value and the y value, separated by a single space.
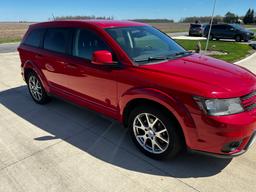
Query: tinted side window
pixel 221 27
pixel 56 40
pixel 216 27
pixel 86 42
pixel 195 26
pixel 228 27
pixel 34 37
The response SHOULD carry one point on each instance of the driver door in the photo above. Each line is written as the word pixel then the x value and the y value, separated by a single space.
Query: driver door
pixel 93 83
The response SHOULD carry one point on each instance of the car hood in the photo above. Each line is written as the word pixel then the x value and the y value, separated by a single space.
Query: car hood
pixel 219 78
pixel 248 31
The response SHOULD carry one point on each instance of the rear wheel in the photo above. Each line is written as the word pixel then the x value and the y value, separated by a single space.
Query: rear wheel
pixel 154 133
pixel 211 37
pixel 36 89
pixel 246 39
pixel 238 38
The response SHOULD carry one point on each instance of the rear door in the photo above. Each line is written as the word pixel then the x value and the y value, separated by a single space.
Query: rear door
pixel 230 32
pixel 218 31
pixel 56 45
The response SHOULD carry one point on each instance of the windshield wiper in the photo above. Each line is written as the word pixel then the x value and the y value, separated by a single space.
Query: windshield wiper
pixel 160 58
pixel 182 53
pixel 148 59
pixel 179 54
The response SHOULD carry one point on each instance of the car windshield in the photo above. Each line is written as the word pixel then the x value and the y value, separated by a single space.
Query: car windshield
pixel 145 44
pixel 237 26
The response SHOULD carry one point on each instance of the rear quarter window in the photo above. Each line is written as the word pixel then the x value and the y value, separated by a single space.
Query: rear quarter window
pixel 57 39
pixel 34 37
pixel 195 26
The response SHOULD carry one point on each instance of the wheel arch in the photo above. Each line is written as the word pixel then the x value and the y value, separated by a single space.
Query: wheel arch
pixel 29 67
pixel 171 107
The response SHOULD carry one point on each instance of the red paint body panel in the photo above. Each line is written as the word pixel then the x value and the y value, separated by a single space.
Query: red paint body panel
pixel 170 83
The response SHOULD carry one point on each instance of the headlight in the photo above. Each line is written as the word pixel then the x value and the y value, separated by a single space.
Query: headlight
pixel 219 107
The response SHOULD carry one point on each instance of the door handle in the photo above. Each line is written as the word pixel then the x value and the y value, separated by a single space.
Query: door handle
pixel 38 56
pixel 72 66
pixel 62 62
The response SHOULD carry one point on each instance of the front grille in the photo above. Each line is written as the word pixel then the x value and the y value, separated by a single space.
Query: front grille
pixel 249 101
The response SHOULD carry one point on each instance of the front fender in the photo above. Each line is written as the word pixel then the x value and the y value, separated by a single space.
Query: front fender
pixel 30 65
pixel 176 107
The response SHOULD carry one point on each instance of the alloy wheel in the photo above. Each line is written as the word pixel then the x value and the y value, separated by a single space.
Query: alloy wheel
pixel 151 133
pixel 35 88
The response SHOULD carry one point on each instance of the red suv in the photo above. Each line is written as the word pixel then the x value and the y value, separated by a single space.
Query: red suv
pixel 169 98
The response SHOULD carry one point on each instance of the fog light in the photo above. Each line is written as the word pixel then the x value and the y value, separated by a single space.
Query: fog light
pixel 231 146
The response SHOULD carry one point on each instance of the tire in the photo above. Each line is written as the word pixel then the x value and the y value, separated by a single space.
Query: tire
pixel 159 141
pixel 238 38
pixel 246 39
pixel 36 89
pixel 211 37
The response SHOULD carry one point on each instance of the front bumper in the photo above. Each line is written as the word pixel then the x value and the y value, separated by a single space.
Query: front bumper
pixel 228 156
pixel 249 36
pixel 214 134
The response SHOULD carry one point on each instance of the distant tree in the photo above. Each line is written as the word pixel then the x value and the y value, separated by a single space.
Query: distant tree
pixel 154 20
pixel 249 17
pixel 230 18
pixel 203 19
pixel 253 16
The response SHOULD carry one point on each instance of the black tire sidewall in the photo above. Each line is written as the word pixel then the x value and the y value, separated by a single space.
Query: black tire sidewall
pixel 211 37
pixel 238 38
pixel 45 97
pixel 174 138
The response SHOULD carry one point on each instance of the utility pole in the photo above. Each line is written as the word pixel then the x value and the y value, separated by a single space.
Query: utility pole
pixel 210 29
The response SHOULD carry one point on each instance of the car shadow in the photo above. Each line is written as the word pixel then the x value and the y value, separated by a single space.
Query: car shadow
pixel 102 137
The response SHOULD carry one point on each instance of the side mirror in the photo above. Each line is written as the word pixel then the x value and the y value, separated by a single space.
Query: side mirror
pixel 102 57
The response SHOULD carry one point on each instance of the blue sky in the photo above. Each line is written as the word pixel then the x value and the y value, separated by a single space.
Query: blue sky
pixel 32 10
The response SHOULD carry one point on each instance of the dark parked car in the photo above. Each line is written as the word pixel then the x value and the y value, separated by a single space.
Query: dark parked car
pixel 229 31
pixel 196 29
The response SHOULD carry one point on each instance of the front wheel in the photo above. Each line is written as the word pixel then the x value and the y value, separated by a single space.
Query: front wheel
pixel 154 133
pixel 36 89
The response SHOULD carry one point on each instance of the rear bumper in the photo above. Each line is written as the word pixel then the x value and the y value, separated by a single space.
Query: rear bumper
pixel 196 32
pixel 224 136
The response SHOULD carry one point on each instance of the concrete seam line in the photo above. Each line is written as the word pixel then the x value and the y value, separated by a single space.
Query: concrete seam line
pixel 245 59
pixel 144 160
pixel 42 150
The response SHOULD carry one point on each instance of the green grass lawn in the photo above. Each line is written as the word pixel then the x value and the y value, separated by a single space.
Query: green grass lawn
pixel 236 51
pixel 9 40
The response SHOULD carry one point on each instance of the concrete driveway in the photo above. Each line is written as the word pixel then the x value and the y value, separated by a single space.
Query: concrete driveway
pixel 61 147
pixel 8 47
